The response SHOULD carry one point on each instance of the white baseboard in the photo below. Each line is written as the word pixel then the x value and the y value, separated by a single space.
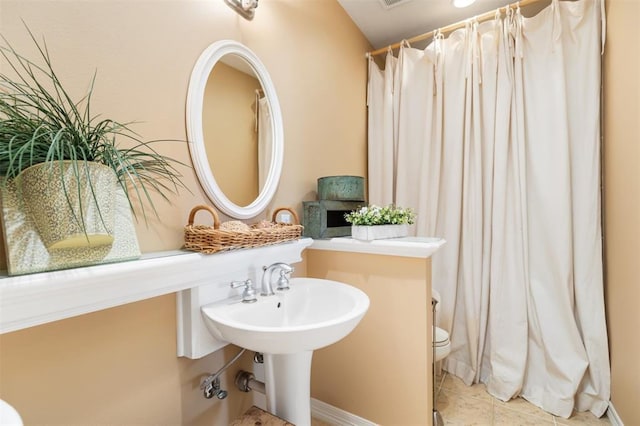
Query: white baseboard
pixel 335 416
pixel 613 416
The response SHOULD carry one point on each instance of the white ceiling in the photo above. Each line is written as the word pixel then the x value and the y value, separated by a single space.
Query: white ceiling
pixel 409 18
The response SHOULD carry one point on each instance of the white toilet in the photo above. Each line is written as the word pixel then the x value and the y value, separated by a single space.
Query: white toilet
pixel 441 342
pixel 8 415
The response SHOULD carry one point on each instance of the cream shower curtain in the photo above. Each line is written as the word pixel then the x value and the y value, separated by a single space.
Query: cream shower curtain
pixel 264 141
pixel 492 136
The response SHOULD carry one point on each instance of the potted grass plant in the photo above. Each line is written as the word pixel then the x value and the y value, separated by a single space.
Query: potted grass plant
pixel 64 163
pixel 374 222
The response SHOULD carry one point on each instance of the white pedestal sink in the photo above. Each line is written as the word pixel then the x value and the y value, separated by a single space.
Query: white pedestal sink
pixel 287 328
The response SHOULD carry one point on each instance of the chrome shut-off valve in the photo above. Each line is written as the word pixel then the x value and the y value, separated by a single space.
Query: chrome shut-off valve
pixel 211 387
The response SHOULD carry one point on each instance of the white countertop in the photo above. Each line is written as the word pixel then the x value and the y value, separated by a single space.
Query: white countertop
pixel 34 299
pixel 420 247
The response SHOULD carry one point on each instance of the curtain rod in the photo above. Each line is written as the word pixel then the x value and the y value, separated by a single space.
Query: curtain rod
pixel 451 27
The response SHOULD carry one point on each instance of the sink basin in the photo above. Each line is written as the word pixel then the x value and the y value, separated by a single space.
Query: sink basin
pixel 314 313
pixel 287 327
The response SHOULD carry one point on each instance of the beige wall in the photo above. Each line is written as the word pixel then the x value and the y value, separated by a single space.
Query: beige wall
pixel 144 51
pixel 119 366
pixel 116 366
pixel 622 202
pixel 382 370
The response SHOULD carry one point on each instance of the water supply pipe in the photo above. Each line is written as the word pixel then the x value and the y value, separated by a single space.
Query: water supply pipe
pixel 437 418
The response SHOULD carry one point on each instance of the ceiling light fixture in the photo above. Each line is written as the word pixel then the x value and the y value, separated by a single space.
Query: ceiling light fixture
pixel 245 8
pixel 462 3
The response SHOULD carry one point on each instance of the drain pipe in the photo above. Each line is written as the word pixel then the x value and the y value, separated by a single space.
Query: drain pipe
pixel 246 381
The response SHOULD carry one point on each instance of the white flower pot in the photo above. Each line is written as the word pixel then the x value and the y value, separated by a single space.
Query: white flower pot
pixel 379 232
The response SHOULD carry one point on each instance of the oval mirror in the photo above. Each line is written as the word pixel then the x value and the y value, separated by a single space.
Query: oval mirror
pixel 234 126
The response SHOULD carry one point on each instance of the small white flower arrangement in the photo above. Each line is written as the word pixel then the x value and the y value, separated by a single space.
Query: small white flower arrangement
pixel 375 215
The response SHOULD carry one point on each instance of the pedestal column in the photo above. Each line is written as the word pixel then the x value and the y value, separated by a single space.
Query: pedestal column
pixel 288 386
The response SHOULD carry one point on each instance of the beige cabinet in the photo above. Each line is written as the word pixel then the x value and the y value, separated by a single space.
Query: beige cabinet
pixel 382 370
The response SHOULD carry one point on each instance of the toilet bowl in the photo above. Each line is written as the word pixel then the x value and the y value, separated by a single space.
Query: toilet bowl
pixel 441 342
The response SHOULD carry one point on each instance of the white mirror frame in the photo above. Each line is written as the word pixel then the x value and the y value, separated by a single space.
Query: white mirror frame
pixel 195 134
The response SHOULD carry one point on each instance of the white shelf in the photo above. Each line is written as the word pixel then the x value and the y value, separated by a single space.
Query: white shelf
pixel 420 247
pixel 35 299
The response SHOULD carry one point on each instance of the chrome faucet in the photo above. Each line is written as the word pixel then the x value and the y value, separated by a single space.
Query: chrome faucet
pixel 283 281
pixel 249 293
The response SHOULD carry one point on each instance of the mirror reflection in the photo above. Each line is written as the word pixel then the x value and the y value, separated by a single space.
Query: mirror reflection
pixel 237 129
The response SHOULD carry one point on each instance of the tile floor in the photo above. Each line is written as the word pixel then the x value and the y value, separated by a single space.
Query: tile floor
pixel 462 405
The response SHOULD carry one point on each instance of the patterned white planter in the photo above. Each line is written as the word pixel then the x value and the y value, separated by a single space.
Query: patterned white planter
pixel 379 232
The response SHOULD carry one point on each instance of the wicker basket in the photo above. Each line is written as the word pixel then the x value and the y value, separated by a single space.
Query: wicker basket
pixel 211 239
